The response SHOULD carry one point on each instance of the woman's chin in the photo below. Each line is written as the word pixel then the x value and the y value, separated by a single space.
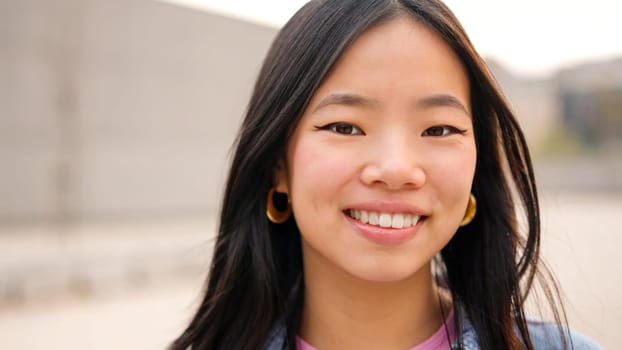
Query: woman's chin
pixel 386 274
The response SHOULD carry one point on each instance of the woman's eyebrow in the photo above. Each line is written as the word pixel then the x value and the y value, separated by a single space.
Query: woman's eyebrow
pixel 441 100
pixel 347 99
pixel 350 99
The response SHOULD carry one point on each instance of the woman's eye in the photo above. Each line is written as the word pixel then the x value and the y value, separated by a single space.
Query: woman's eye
pixel 342 128
pixel 442 130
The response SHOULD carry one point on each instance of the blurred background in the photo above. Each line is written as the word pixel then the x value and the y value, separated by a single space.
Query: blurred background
pixel 116 121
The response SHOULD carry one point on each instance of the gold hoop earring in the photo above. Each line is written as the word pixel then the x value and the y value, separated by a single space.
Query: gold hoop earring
pixel 470 211
pixel 274 215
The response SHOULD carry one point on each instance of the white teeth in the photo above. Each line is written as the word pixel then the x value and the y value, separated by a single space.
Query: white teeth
pixel 397 220
pixel 373 218
pixel 415 219
pixel 408 220
pixel 364 217
pixel 384 220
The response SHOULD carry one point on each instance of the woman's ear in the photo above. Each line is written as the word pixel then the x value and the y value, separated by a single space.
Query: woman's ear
pixel 281 180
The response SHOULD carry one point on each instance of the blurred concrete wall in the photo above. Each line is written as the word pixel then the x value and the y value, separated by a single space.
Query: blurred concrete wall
pixel 534 102
pixel 119 107
pixel 591 96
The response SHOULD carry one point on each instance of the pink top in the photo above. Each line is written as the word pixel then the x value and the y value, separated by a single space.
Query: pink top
pixel 437 341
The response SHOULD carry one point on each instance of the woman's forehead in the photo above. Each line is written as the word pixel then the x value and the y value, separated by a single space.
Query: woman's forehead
pixel 400 59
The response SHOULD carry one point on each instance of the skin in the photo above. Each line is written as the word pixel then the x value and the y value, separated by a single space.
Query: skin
pixel 402 134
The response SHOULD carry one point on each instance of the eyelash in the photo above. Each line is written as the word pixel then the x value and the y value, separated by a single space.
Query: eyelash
pixel 333 127
pixel 446 130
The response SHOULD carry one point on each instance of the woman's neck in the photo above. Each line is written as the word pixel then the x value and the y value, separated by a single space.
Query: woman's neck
pixel 343 312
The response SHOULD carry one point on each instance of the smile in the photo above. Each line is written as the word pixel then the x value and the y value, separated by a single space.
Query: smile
pixel 385 220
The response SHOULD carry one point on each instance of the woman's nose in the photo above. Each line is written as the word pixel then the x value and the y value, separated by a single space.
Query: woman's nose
pixel 395 164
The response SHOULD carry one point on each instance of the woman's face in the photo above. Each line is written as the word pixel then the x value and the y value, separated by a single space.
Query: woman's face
pixel 379 168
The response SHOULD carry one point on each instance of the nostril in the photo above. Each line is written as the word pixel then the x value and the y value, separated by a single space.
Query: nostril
pixel 395 179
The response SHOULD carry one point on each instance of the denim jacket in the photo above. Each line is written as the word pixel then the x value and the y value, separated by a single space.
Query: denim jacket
pixel 543 336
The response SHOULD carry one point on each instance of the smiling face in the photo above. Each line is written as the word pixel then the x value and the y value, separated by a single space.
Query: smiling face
pixel 379 168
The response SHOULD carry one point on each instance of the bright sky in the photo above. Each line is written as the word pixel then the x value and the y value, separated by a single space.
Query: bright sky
pixel 532 37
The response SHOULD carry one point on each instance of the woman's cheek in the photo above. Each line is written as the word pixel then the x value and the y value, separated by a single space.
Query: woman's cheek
pixel 452 164
pixel 450 175
pixel 317 168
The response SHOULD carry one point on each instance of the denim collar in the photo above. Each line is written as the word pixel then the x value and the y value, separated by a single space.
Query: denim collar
pixel 468 338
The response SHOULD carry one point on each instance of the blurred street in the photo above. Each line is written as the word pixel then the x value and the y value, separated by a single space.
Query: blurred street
pixel 126 285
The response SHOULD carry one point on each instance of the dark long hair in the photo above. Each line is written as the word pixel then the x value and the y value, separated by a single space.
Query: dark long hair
pixel 489 265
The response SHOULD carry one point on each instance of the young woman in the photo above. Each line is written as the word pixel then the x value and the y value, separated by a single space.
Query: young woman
pixel 371 201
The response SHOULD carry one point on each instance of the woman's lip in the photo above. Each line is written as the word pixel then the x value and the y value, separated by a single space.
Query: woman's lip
pixel 388 207
pixel 382 235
